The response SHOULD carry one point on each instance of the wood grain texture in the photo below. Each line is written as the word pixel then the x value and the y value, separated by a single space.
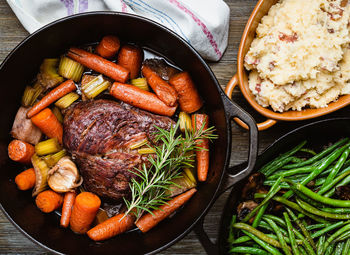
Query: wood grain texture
pixel 12 32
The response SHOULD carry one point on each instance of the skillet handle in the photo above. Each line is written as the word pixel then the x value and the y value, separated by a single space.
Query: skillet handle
pixel 232 111
pixel 261 126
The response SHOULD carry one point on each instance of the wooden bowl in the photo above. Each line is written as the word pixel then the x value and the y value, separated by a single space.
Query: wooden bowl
pixel 241 78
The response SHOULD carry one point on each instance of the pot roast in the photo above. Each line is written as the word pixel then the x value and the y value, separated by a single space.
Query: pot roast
pixel 99 133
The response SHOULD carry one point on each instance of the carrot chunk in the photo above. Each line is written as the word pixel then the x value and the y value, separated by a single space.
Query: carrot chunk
pixel 131 57
pixel 113 226
pixel 68 201
pixel 148 221
pixel 55 94
pixel 48 123
pixel 141 98
pixel 26 179
pixel 84 212
pixel 20 151
pixel 99 64
pixel 164 91
pixel 48 201
pixel 189 98
pixel 202 156
pixel 108 46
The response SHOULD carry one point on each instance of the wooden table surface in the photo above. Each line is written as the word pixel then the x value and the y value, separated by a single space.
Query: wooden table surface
pixel 12 32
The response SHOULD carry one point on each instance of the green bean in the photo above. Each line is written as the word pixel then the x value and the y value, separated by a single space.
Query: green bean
pixel 344 182
pixel 294 206
pixel 320 213
pixel 331 184
pixel 337 167
pixel 274 189
pixel 277 161
pixel 320 243
pixel 231 236
pixel 266 226
pixel 336 210
pixel 312 152
pixel 324 164
pixel 339 248
pixel 330 249
pixel 241 239
pixel 302 250
pixel 316 226
pixel 259 215
pixel 283 185
pixel 327 229
pixel 262 243
pixel 281 239
pixel 257 233
pixel 307 199
pixel 276 219
pixel 334 236
pixel 346 248
pixel 305 243
pixel 302 228
pixel 249 250
pixel 301 170
pixel 318 156
pixel 343 237
pixel 319 198
pixel 292 239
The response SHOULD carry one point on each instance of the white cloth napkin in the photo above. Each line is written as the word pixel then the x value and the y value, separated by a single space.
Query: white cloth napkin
pixel 202 23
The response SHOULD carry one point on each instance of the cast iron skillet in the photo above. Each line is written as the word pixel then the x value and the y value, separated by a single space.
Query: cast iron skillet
pixel 20 68
pixel 317 134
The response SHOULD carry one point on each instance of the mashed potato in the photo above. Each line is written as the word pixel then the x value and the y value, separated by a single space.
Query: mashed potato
pixel 301 60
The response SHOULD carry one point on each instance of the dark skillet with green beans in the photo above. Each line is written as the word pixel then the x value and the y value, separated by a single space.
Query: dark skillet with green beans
pixel 298 200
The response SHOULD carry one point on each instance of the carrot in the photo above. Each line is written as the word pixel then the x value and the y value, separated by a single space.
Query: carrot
pixel 48 123
pixel 21 151
pixel 99 64
pixel 26 179
pixel 68 201
pixel 108 46
pixel 113 226
pixel 131 57
pixel 201 155
pixel 55 94
pixel 48 201
pixel 189 98
pixel 141 99
pixel 148 221
pixel 84 212
pixel 164 91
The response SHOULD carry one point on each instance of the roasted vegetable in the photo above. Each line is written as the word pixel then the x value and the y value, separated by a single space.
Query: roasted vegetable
pixel 31 94
pixel 70 69
pixel 64 176
pixel 138 144
pixel 181 184
pixel 95 87
pixel 67 100
pixel 146 151
pixel 51 160
pixel 57 112
pixel 48 76
pixel 185 122
pixel 41 172
pixel 49 146
pixel 140 83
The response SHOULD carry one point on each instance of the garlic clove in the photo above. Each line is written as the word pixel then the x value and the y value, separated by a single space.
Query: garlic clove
pixel 64 176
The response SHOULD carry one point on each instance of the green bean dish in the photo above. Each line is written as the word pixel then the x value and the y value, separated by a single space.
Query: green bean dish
pixel 298 203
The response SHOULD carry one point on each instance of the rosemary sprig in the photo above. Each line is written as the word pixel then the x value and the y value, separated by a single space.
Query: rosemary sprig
pixel 149 192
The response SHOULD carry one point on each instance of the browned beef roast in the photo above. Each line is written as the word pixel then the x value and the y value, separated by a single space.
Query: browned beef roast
pixel 98 135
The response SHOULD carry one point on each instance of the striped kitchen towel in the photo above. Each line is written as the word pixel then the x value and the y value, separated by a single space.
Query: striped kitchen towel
pixel 202 23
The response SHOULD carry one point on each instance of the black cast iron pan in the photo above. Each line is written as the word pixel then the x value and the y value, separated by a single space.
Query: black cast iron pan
pixel 317 134
pixel 20 68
